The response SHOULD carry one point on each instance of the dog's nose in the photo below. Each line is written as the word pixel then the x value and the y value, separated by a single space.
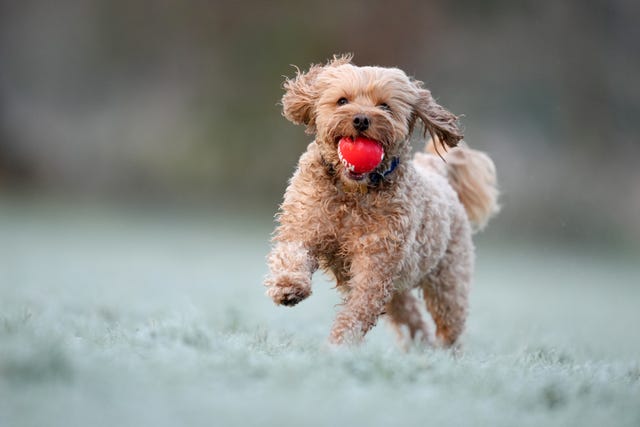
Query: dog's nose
pixel 361 122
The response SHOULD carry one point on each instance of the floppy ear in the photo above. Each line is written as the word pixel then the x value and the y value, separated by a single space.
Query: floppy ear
pixel 301 93
pixel 439 122
pixel 300 96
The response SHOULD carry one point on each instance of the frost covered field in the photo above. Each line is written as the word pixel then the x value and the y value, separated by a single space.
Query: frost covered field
pixel 121 319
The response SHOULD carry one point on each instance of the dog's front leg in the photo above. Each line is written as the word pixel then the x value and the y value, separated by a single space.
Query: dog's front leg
pixel 290 269
pixel 371 289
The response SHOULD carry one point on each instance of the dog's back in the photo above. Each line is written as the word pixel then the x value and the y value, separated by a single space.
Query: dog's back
pixel 472 175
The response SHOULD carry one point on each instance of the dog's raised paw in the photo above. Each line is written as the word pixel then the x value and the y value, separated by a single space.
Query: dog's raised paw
pixel 288 294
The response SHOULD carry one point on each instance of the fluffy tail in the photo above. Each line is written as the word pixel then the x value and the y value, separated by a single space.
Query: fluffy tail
pixel 472 175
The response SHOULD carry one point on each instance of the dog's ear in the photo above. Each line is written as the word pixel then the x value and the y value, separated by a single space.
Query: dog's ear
pixel 301 93
pixel 439 122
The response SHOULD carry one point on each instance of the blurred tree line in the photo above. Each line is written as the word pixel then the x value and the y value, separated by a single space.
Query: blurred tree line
pixel 178 100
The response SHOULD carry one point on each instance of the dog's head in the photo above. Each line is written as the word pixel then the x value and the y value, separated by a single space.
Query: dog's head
pixel 339 100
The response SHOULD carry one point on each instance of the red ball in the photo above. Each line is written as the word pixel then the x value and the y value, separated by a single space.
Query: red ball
pixel 360 155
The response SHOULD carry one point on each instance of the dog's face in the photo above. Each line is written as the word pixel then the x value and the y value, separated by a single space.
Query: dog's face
pixel 340 100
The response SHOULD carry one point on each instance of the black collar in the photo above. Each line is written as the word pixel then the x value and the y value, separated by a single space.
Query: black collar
pixel 376 177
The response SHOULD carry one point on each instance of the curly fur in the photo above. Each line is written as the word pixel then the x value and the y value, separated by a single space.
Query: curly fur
pixel 380 240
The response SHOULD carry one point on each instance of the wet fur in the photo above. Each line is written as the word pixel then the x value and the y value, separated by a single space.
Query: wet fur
pixel 412 230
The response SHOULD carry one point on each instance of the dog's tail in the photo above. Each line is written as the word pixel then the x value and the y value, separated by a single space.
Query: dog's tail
pixel 472 175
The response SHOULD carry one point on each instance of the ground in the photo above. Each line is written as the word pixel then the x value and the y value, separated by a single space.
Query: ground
pixel 129 319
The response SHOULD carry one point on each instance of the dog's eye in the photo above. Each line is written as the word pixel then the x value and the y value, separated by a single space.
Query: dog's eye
pixel 343 101
pixel 384 106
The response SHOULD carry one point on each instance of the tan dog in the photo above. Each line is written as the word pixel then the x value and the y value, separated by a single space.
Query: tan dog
pixel 406 225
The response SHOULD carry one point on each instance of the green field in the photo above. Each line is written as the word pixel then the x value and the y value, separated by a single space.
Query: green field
pixel 121 319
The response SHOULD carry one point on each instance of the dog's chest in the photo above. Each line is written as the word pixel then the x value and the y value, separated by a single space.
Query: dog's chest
pixel 356 222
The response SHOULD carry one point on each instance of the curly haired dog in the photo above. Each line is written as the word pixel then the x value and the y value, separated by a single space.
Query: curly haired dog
pixel 406 225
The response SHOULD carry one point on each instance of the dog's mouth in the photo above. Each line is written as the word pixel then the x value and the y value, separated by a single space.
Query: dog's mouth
pixel 360 156
pixel 356 176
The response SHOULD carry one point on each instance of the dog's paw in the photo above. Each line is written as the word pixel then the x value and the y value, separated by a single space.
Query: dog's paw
pixel 288 294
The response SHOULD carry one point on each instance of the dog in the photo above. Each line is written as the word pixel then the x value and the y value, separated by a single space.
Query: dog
pixel 407 224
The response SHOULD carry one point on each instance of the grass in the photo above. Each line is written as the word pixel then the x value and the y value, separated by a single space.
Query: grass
pixel 122 319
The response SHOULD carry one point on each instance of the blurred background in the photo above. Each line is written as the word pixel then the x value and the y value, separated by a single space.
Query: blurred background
pixel 174 104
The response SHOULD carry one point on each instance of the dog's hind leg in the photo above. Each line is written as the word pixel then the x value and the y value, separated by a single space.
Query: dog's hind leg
pixel 404 311
pixel 446 289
